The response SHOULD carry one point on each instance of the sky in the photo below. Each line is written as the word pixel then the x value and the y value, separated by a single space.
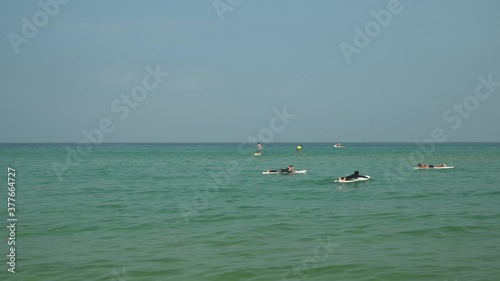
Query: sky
pixel 239 70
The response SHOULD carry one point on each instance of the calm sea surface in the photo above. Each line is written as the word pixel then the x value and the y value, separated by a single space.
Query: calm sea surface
pixel 205 212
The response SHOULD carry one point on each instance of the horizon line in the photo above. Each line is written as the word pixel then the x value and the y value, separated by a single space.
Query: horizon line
pixel 236 142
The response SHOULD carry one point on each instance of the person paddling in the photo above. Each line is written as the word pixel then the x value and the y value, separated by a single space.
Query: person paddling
pixel 353 176
pixel 288 170
pixel 425 166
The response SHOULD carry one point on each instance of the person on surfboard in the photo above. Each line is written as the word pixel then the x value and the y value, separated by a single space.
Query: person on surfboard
pixel 286 170
pixel 425 166
pixel 353 176
pixel 259 148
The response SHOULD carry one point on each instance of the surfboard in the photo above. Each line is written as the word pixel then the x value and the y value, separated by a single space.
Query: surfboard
pixel 435 168
pixel 353 180
pixel 300 172
pixel 257 154
pixel 284 173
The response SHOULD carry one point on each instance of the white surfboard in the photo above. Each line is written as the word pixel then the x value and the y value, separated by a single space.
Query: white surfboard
pixel 284 173
pixel 435 168
pixel 300 172
pixel 353 180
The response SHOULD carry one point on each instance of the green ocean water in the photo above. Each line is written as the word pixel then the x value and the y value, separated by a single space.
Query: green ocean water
pixel 205 212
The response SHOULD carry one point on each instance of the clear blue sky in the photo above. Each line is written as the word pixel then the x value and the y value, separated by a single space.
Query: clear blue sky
pixel 227 76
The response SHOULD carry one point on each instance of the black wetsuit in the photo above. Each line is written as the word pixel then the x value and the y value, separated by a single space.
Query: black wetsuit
pixel 281 170
pixel 354 176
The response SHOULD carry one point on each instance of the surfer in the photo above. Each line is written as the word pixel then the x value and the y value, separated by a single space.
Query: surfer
pixel 259 148
pixel 299 149
pixel 425 166
pixel 286 170
pixel 353 176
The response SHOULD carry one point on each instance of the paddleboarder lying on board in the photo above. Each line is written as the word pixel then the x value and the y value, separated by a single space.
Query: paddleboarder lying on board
pixel 425 166
pixel 353 176
pixel 286 170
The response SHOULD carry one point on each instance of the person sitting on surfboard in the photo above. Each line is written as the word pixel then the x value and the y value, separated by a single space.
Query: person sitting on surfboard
pixel 353 176
pixel 259 148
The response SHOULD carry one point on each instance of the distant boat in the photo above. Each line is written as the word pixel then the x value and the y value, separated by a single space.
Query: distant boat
pixel 338 145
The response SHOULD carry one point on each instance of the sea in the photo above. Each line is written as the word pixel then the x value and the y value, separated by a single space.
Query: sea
pixel 205 211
